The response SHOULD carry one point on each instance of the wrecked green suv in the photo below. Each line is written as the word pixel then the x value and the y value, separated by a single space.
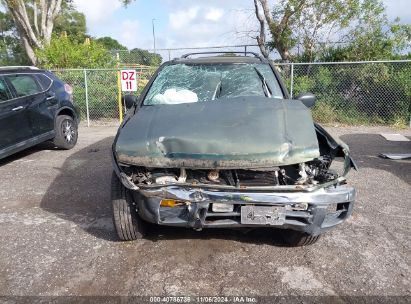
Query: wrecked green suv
pixel 217 142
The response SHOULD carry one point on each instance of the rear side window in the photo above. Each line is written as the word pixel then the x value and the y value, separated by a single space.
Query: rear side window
pixel 5 93
pixel 45 81
pixel 24 84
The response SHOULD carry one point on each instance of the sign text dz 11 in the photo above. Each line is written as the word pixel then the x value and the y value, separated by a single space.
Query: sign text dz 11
pixel 128 80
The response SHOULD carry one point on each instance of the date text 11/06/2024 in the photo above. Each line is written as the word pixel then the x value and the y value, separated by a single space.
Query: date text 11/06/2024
pixel 199 299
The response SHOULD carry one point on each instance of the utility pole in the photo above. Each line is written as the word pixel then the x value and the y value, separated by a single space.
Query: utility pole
pixel 154 35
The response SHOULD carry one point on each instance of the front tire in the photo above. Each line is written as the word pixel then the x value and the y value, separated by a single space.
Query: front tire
pixel 128 224
pixel 298 239
pixel 66 132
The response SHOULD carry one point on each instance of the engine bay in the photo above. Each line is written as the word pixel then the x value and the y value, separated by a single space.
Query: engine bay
pixel 310 173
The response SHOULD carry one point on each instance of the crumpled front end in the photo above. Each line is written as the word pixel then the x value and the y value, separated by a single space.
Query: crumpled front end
pixel 280 170
pixel 311 197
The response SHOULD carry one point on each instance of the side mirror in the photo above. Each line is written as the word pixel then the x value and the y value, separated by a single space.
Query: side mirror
pixel 129 101
pixel 307 99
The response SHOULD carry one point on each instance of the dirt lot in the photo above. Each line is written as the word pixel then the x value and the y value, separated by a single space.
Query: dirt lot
pixel 57 236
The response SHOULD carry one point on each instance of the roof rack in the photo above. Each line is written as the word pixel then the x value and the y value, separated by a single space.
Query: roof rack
pixel 18 67
pixel 223 52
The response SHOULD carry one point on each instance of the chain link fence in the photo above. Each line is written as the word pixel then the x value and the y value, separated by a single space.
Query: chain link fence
pixel 96 92
pixel 354 93
pixel 361 93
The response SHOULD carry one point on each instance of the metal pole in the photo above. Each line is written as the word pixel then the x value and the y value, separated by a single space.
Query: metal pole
pixel 292 80
pixel 154 35
pixel 169 55
pixel 86 92
pixel 245 50
pixel 120 106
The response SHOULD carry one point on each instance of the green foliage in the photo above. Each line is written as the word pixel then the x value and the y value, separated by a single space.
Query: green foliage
pixel 102 90
pixel 11 50
pixel 358 94
pixel 142 57
pixel 70 21
pixel 372 37
pixel 110 43
pixel 360 29
pixel 66 53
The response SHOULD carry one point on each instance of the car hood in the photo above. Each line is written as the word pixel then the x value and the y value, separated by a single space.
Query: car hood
pixel 246 132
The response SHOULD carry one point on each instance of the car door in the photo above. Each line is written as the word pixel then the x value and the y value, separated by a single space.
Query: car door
pixel 14 121
pixel 43 107
pixel 40 117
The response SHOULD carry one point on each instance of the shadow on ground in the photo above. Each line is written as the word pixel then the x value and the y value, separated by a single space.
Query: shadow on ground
pixel 27 152
pixel 81 194
pixel 81 191
pixel 365 149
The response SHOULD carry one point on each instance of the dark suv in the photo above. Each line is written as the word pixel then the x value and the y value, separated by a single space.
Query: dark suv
pixel 35 106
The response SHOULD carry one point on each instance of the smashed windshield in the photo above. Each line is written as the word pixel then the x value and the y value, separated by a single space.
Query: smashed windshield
pixel 187 83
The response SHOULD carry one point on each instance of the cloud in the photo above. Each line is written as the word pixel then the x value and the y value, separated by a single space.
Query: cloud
pixel 128 33
pixel 97 11
pixel 214 14
pixel 181 18
pixel 398 8
pixel 203 25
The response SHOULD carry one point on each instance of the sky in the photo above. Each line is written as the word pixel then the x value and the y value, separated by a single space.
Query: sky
pixel 184 23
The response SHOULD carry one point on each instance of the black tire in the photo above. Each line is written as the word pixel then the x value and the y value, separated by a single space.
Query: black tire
pixel 297 239
pixel 66 132
pixel 128 224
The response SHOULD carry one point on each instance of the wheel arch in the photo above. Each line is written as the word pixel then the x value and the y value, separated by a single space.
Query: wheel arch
pixel 67 111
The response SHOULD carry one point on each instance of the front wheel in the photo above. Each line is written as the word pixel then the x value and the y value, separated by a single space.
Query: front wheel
pixel 66 132
pixel 128 224
pixel 297 239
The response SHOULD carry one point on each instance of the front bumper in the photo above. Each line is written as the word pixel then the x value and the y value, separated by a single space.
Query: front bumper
pixel 326 207
pixel 328 204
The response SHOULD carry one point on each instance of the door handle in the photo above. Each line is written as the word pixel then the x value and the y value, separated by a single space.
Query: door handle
pixel 18 108
pixel 50 96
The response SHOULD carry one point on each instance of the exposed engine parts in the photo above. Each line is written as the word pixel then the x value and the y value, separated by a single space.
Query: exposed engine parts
pixel 310 173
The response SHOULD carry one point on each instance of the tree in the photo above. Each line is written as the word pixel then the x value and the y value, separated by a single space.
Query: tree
pixel 63 52
pixel 71 22
pixel 35 20
pixel 34 32
pixel 373 37
pixel 143 57
pixel 11 51
pixel 308 27
pixel 110 43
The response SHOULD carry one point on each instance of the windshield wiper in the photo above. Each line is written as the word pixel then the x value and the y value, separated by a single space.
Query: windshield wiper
pixel 217 91
pixel 267 90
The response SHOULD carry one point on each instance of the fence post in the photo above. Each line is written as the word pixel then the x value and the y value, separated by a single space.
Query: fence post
pixel 86 92
pixel 120 105
pixel 292 80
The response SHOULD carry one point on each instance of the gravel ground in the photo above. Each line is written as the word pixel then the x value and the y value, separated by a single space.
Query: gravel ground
pixel 57 236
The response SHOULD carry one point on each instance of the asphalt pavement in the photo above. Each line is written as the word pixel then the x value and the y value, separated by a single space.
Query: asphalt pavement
pixel 57 237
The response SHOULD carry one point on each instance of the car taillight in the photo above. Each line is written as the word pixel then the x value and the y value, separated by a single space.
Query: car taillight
pixel 68 89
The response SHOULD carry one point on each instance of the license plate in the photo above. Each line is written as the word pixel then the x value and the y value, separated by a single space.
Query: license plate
pixel 263 215
pixel 221 207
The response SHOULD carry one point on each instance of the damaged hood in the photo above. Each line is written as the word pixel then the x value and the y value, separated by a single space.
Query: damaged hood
pixel 244 132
